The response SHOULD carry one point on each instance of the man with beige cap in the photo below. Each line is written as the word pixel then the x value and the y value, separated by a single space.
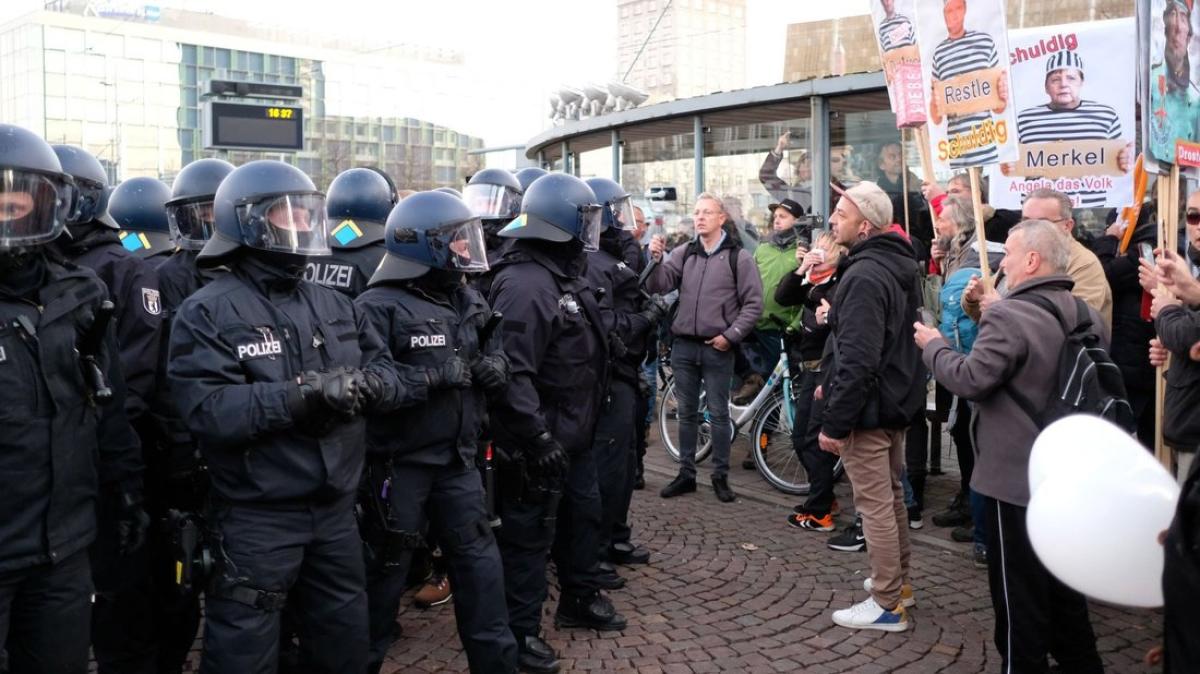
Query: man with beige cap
pixel 874 386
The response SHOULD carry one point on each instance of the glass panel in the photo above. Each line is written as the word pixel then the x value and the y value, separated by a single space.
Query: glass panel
pixel 223 59
pixel 596 163
pixel 660 174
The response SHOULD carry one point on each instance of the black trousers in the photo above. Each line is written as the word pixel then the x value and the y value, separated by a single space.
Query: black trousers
pixel 1181 581
pixel 805 429
pixel 450 500
pixel 1036 614
pixel 45 615
pixel 312 556
pixel 616 462
pixel 916 456
pixel 571 533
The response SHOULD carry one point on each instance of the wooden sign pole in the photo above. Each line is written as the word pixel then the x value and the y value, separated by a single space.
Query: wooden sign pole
pixel 904 177
pixel 926 159
pixel 985 267
pixel 1168 235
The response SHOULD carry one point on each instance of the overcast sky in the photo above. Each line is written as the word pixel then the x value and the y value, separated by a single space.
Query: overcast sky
pixel 526 48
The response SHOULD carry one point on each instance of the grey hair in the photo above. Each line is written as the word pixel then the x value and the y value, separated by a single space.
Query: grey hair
pixel 713 197
pixel 1064 202
pixel 963 216
pixel 1048 240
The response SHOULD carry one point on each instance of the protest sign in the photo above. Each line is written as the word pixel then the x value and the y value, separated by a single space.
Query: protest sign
pixel 1073 88
pixel 1171 35
pixel 962 45
pixel 901 59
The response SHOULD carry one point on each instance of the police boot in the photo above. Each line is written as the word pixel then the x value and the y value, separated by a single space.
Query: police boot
pixel 628 554
pixel 607 577
pixel 591 611
pixel 535 655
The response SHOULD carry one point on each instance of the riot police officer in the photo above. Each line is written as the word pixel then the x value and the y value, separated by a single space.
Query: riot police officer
pixel 421 306
pixel 358 203
pixel 494 195
pixel 629 320
pixel 554 337
pixel 527 175
pixel 190 217
pixel 451 191
pixel 271 373
pixel 122 613
pixel 139 207
pixel 66 442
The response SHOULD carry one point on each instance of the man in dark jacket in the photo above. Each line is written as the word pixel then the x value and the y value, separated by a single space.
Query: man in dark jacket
pixel 553 334
pixel 122 614
pixel 271 373
pixel 64 447
pixel 422 466
pixel 873 387
pixel 718 308
pixel 357 204
pixel 1019 342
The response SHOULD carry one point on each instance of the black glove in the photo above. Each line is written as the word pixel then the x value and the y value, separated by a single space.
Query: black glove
pixel 454 373
pixel 655 310
pixel 337 390
pixel 132 523
pixel 548 458
pixel 491 371
pixel 370 388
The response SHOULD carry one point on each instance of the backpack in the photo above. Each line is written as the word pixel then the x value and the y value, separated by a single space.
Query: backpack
pixel 956 326
pixel 1087 381
pixel 694 247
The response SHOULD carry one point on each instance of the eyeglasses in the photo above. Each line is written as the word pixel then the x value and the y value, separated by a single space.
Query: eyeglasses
pixel 1193 216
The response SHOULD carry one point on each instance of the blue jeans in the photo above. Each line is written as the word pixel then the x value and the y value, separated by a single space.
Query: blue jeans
pixel 694 363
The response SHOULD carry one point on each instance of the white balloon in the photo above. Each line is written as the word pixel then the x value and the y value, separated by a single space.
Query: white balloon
pixel 1080 442
pixel 1097 530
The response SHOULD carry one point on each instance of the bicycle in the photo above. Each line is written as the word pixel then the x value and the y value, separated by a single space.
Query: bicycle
pixel 771 415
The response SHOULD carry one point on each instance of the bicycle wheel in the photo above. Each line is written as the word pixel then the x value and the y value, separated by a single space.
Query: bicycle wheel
pixel 668 425
pixel 773 452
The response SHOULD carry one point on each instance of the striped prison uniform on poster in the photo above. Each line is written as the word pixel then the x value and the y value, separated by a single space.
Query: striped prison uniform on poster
pixel 1088 121
pixel 973 51
pixel 896 32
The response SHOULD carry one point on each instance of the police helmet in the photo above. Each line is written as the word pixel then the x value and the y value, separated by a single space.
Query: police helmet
pixel 494 194
pixel 451 191
pixel 36 195
pixel 558 207
pixel 139 207
pixel 527 175
pixel 271 206
pixel 190 209
pixel 91 186
pixel 618 203
pixel 356 200
pixel 431 230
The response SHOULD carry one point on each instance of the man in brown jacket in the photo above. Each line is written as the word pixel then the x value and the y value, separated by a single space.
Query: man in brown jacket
pixel 1018 344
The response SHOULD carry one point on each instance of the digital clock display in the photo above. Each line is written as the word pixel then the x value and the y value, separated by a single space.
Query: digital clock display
pixel 253 127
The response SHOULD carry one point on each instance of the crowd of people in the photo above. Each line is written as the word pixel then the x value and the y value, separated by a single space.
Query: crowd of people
pixel 299 404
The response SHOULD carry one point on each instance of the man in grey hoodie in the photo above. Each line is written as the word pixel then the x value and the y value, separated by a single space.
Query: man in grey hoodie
pixel 720 300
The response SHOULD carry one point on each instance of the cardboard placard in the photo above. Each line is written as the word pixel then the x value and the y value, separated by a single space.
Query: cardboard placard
pixel 1187 154
pixel 1170 78
pixel 896 36
pixel 1071 159
pixel 977 91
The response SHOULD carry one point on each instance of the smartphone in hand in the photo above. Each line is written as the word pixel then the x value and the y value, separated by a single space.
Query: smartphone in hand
pixel 1147 252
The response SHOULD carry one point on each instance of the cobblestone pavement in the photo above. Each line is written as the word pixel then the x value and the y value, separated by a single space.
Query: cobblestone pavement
pixel 732 587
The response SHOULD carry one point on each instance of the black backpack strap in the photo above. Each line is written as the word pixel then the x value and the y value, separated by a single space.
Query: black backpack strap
pixel 1032 411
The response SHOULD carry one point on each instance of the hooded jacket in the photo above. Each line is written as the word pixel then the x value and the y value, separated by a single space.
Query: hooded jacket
pixel 710 303
pixel 875 378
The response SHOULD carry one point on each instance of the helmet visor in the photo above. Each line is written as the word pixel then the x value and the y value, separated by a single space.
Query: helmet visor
pixel 286 223
pixel 88 203
pixel 458 247
pixel 492 201
pixel 622 213
pixel 191 223
pixel 33 207
pixel 591 219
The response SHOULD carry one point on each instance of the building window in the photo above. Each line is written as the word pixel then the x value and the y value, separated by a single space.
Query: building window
pixel 223 59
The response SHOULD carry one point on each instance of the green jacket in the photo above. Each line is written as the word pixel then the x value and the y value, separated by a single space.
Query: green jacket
pixel 774 263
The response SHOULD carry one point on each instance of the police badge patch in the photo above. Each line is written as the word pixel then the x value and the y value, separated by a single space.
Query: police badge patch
pixel 151 302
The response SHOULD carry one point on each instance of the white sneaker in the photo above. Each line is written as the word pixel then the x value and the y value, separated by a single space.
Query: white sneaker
pixel 906 593
pixel 868 615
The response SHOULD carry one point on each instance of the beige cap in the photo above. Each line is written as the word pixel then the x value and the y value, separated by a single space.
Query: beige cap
pixel 871 200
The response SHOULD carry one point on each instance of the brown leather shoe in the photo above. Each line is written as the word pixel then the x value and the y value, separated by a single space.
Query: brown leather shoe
pixel 750 388
pixel 435 592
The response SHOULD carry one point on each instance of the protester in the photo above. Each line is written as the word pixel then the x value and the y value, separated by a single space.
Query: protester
pixel 720 299
pixel 873 387
pixel 811 287
pixel 1018 344
pixel 802 191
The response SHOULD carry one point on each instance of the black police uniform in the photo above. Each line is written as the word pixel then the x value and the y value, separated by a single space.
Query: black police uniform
pixel 553 334
pixel 614 443
pixel 430 451
pixel 349 268
pixel 282 487
pixel 138 207
pixel 60 454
